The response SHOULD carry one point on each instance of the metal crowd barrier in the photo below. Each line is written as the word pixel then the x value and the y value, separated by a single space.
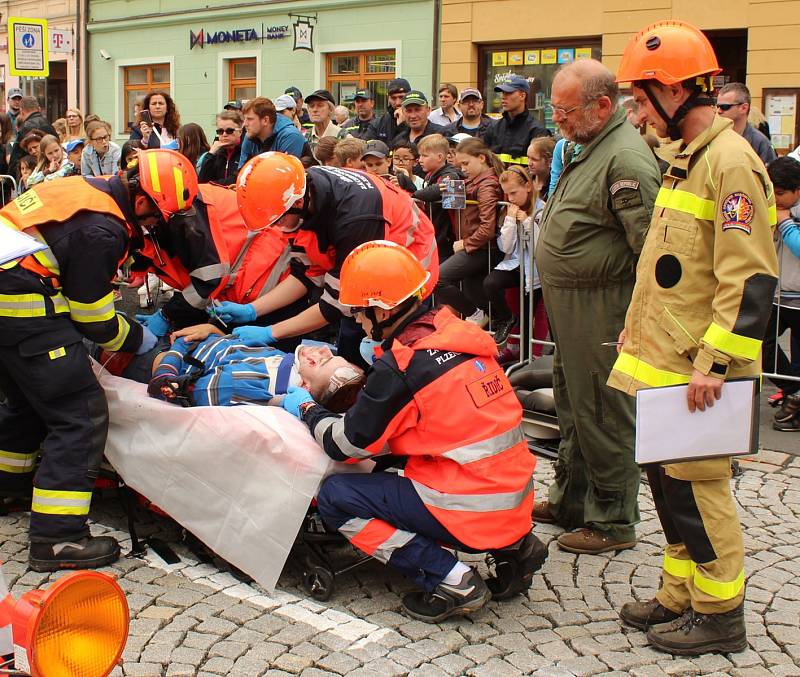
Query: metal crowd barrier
pixel 5 196
pixel 774 373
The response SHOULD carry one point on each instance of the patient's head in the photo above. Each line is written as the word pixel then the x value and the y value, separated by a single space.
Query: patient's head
pixel 331 380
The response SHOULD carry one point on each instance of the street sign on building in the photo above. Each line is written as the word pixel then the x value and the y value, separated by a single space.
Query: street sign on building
pixel 60 41
pixel 28 47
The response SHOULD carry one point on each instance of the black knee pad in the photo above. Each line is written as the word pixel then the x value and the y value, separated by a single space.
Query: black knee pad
pixel 97 408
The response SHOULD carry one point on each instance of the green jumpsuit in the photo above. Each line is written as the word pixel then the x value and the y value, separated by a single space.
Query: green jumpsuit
pixel 592 230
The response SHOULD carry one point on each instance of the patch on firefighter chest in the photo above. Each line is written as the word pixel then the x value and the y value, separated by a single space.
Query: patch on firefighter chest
pixel 489 387
pixel 737 212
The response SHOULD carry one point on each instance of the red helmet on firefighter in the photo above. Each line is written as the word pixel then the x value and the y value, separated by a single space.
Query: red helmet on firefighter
pixel 267 187
pixel 169 178
pixel 380 274
pixel 671 52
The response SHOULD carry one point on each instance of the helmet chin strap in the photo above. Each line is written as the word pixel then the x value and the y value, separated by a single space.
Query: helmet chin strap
pixel 695 100
pixel 378 326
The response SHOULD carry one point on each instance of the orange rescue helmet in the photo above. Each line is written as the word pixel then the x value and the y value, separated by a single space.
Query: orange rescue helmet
pixel 169 178
pixel 668 51
pixel 380 274
pixel 267 187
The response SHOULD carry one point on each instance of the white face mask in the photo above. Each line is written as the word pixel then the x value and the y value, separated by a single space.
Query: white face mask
pixel 367 349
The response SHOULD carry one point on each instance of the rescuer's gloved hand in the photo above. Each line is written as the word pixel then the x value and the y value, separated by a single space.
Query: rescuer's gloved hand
pixel 255 336
pixel 294 398
pixel 149 340
pixel 156 323
pixel 233 313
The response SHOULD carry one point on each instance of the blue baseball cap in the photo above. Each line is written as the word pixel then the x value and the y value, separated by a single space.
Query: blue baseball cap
pixel 516 83
pixel 69 146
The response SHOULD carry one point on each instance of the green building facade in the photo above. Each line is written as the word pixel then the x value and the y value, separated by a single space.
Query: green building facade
pixel 207 56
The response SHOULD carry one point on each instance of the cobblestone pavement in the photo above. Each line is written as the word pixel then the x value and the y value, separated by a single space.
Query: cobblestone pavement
pixel 194 619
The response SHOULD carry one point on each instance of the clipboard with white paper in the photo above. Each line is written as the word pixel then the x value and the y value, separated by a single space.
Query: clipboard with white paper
pixel 15 245
pixel 666 431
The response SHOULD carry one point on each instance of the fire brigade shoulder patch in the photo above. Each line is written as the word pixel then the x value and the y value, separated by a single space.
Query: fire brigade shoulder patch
pixel 737 212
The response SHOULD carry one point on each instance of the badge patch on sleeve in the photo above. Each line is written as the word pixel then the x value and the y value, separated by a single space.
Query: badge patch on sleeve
pixel 625 183
pixel 737 212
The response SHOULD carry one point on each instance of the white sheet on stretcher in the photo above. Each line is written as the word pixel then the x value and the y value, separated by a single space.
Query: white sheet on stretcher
pixel 239 478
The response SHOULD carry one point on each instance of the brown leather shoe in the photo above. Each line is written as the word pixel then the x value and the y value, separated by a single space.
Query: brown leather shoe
pixel 590 542
pixel 542 514
pixel 694 633
pixel 644 614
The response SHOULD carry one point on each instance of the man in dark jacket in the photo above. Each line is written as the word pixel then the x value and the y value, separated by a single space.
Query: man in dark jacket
pixel 30 117
pixel 358 125
pixel 511 135
pixel 385 127
pixel 472 120
pixel 416 125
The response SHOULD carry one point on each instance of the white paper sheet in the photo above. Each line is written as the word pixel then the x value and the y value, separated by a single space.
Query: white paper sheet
pixel 667 431
pixel 15 245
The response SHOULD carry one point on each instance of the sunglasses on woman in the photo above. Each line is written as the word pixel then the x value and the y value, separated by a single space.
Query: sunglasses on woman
pixel 227 130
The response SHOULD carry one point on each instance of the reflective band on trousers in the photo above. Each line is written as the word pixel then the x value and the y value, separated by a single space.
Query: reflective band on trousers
pixel 17 462
pixel 730 343
pixel 680 568
pixel 123 329
pixel 510 159
pixel 485 448
pixel 52 502
pixel 720 590
pixel 101 310
pixel 688 203
pixel 646 373
pixel 388 540
pixel 30 305
pixel 472 502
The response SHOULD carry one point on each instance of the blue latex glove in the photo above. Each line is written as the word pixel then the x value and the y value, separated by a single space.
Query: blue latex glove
pixel 294 398
pixel 156 323
pixel 255 336
pixel 149 340
pixel 234 313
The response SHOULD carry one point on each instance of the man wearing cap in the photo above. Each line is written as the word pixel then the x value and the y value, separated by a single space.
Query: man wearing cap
pixel 511 135
pixel 266 130
pixel 385 127
pixel 320 109
pixel 376 158
pixel 472 120
pixel 302 113
pixel 233 105
pixel 447 113
pixel 12 110
pixel 415 114
pixel 287 106
pixel 358 125
pixel 30 118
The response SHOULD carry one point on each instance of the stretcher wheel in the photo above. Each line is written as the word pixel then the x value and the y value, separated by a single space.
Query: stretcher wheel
pixel 318 582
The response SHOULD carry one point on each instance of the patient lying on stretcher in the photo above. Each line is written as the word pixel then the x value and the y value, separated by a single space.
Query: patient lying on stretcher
pixel 224 371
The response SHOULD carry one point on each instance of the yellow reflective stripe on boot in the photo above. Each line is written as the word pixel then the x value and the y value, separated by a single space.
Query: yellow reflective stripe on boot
pixel 17 461
pixel 688 203
pixel 680 568
pixel 730 343
pixel 718 589
pixel 646 373
pixel 101 310
pixel 53 502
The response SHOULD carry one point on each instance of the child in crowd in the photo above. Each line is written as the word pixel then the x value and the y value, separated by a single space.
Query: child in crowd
pixel 540 157
pixel 324 151
pixel 349 152
pixel 53 162
pixel 404 161
pixel 26 166
pixel 525 209
pixel 376 158
pixel 74 149
pixel 475 250
pixel 128 155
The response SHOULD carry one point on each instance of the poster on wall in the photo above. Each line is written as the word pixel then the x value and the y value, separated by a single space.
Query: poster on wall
pixel 532 57
pixel 515 58
pixel 499 58
pixel 780 108
pixel 566 55
pixel 549 56
pixel 583 53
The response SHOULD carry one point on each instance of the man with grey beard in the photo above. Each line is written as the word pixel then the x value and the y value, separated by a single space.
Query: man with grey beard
pixel 592 231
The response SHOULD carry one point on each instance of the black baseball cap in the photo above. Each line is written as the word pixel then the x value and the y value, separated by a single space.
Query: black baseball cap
pixel 233 105
pixel 414 98
pixel 322 95
pixel 398 85
pixel 362 94
pixel 296 93
pixel 377 148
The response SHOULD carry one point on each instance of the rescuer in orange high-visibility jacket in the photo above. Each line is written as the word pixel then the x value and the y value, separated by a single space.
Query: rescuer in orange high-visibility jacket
pixel 436 397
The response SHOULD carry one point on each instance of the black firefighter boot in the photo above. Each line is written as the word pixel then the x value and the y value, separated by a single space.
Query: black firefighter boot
pixel 514 567
pixel 88 553
pixel 694 633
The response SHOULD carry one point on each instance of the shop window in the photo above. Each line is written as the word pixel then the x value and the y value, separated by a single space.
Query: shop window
pixel 538 62
pixel 141 80
pixel 242 79
pixel 349 71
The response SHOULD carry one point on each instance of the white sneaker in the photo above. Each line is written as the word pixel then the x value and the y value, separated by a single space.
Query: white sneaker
pixel 478 317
